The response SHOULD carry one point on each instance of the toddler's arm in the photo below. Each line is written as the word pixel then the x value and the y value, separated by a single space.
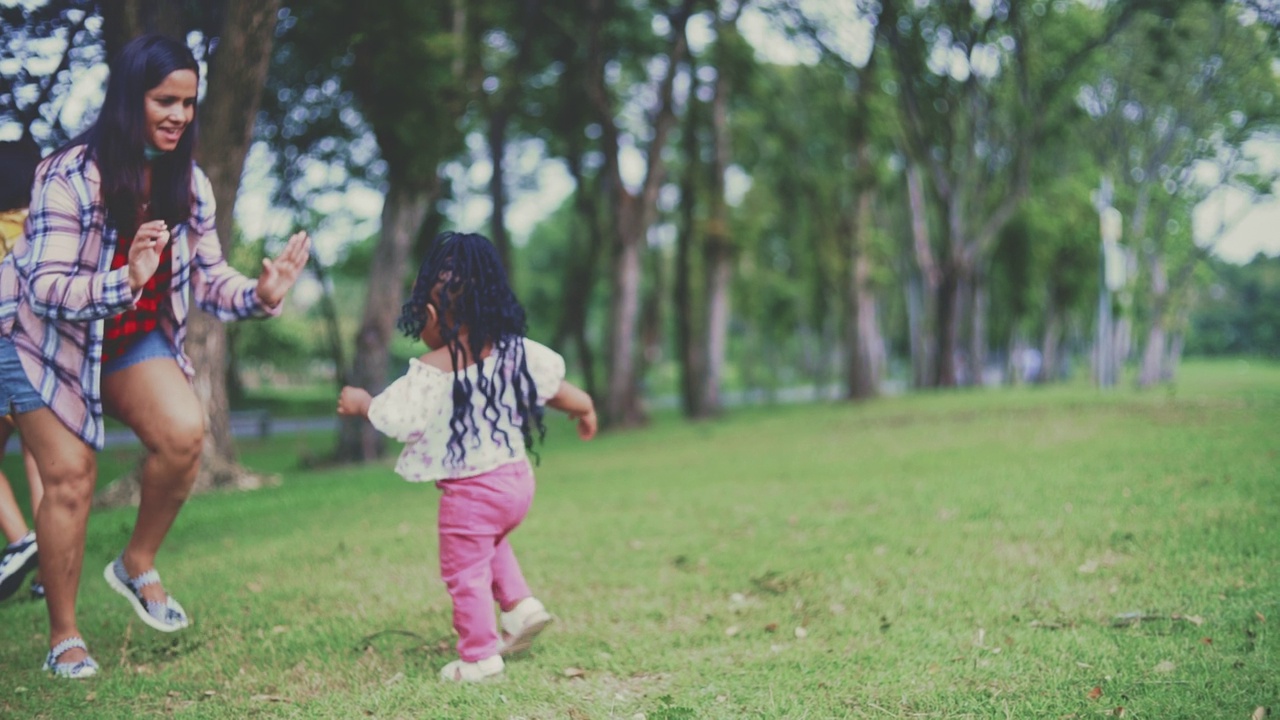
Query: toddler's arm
pixel 572 400
pixel 354 401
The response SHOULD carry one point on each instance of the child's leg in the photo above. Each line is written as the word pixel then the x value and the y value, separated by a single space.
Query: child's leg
pixel 509 586
pixel 517 484
pixel 475 516
pixel 465 566
pixel 12 524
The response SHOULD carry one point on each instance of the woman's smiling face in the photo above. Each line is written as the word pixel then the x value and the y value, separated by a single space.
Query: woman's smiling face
pixel 170 108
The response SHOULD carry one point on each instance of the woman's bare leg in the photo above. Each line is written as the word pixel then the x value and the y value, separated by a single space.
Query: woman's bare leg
pixel 156 400
pixel 37 493
pixel 33 479
pixel 68 468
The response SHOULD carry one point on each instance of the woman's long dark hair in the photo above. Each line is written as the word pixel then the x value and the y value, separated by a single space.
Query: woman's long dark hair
pixel 118 138
pixel 464 279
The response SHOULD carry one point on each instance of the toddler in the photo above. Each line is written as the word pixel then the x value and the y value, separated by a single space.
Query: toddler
pixel 467 411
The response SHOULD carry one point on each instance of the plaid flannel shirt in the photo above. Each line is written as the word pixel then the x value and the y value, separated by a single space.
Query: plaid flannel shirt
pixel 57 287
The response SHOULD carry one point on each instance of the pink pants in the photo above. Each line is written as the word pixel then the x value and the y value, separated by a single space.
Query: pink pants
pixel 476 562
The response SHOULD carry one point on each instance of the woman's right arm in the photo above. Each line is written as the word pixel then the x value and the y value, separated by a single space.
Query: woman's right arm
pixel 60 284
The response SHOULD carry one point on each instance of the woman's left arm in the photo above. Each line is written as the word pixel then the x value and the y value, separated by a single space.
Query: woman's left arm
pixel 225 292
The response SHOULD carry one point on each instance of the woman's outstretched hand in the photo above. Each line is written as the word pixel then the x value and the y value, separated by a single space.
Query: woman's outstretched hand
pixel 144 252
pixel 280 274
pixel 354 401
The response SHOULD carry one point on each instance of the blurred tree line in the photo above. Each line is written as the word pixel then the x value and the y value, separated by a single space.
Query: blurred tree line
pixel 914 199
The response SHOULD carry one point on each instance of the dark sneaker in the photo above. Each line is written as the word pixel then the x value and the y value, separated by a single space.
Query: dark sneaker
pixel 37 590
pixel 19 559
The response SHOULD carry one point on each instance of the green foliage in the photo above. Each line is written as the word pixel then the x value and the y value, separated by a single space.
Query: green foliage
pixel 1049 255
pixel 1239 311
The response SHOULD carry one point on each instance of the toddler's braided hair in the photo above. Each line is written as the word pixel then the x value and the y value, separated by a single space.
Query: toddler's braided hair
pixel 464 279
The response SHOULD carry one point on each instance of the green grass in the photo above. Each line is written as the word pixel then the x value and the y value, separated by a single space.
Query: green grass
pixel 934 556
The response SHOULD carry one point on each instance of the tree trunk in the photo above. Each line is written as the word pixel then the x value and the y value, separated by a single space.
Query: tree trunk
pixel 403 213
pixel 632 213
pixel 690 340
pixel 1049 361
pixel 580 272
pixel 864 345
pixel 236 76
pixel 124 20
pixel 923 289
pixel 947 327
pixel 977 355
pixel 651 313
pixel 1169 370
pixel 918 336
pixel 720 251
pixel 622 403
pixel 719 272
pixel 1154 352
pixel 498 189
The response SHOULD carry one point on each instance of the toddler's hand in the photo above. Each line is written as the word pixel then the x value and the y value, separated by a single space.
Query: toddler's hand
pixel 586 424
pixel 354 401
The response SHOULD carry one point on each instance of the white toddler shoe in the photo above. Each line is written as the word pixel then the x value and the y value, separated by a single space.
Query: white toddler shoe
pixel 521 625
pixel 463 671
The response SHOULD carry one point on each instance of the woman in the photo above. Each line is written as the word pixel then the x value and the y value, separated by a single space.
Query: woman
pixel 93 311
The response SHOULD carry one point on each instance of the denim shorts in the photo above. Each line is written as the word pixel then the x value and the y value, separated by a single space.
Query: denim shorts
pixel 154 344
pixel 17 394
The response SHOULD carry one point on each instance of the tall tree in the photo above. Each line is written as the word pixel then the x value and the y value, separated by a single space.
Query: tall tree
pixel 237 37
pixel 407 65
pixel 632 213
pixel 976 89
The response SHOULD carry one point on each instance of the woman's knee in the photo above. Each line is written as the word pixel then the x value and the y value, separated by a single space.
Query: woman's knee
pixel 69 482
pixel 181 440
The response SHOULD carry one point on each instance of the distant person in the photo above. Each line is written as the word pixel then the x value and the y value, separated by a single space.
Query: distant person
pixel 94 303
pixel 467 411
pixel 18 160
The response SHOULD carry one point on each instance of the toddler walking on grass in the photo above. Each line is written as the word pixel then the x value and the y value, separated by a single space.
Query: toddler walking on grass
pixel 467 411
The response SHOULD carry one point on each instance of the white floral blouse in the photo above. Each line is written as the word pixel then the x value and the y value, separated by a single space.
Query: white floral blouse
pixel 416 408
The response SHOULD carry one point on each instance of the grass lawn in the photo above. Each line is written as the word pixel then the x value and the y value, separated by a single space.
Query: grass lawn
pixel 1032 553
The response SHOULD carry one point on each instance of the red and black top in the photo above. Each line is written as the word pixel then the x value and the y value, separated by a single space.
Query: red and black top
pixel 122 330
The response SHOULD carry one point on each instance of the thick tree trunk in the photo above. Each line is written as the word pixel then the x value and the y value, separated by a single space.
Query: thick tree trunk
pixel 622 402
pixel 236 76
pixel 1169 370
pixel 498 189
pixel 580 274
pixel 919 339
pixel 977 327
pixel 1154 351
pixel 947 326
pixel 651 312
pixel 719 270
pixel 864 345
pixel 632 213
pixel 689 336
pixel 403 213
pixel 922 289
pixel 124 20
pixel 720 251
